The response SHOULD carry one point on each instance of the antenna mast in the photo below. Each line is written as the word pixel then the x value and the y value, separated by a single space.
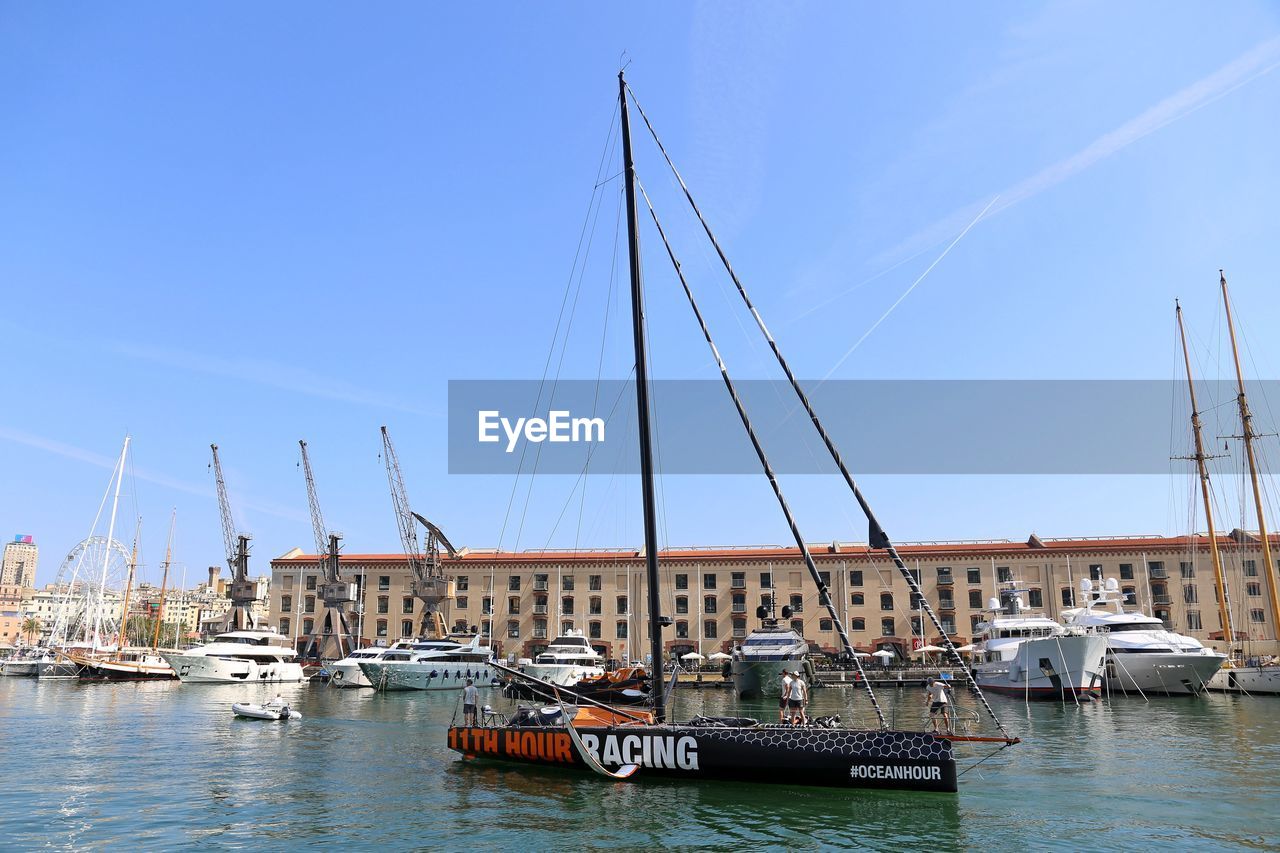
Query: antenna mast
pixel 334 639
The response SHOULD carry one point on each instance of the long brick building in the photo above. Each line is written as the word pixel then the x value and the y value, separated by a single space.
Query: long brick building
pixel 524 599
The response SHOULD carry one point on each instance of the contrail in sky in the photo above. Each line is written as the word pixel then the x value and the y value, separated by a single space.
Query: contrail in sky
pixel 907 292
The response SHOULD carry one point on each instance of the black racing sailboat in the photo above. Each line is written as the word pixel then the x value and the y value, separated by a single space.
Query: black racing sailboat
pixel 621 743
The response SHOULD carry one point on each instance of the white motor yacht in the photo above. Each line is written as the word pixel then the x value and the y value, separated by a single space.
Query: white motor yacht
pixel 347 672
pixel 1143 656
pixel 238 656
pixel 1030 655
pixel 432 665
pixel 568 659
pixel 758 663
pixel 1249 677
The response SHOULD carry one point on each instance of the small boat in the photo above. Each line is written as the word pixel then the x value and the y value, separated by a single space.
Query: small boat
pixel 275 710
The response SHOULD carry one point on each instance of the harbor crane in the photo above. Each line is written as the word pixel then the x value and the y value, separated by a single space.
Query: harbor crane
pixel 243 592
pixel 429 583
pixel 334 638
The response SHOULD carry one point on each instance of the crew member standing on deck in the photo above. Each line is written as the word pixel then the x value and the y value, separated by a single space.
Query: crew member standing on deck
pixel 469 703
pixel 939 703
pixel 786 695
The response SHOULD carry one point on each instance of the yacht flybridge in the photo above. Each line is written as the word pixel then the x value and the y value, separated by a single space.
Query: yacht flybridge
pixel 1143 656
pixel 616 743
pixel 567 660
pixel 238 657
pixel 1030 655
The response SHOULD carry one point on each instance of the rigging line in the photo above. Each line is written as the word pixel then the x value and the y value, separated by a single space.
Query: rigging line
pixel 764 462
pixel 878 538
pixel 586 220
pixel 564 349
pixel 907 292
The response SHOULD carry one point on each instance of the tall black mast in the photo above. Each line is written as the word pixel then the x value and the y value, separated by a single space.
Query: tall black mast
pixel 642 408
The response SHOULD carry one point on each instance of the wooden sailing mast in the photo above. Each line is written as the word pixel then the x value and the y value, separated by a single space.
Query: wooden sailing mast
pixel 1246 420
pixel 164 581
pixel 123 638
pixel 1224 614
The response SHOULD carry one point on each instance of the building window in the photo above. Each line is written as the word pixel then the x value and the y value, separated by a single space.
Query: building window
pixel 766 580
pixel 975 621
pixel 944 574
pixel 797 625
pixel 513 583
pixel 857 624
pixel 825 577
pixel 384 604
pixel 739 602
pixel 797 604
pixel 1155 568
pixel 406 628
pixel 1257 616
pixel 738 580
pixel 886 601
pixel 286 603
pixel 309 606
pixel 682 604
pixel 486 606
pixel 621 629
pixel 857 599
pixel 595 606
pixel 709 580
pixel 974 576
pixel 1004 574
pixel 824 625
pixel 948 625
pixel 1250 568
pixel 1253 588
pixel 1189 595
pixel 311 581
pixel 855 577
pixel 1188 570
pixel 384 581
pixel 406 606
pixel 593 582
pixel 539 582
pixel 1068 597
pixel 382 627
pixel 975 599
pixel 513 629
pixel 1130 595
pixel 566 605
pixel 593 629
pixel 709 630
pixel 287 582
pixel 462 583
pixel 1126 571
pixel 1035 598
pixel 739 627
pixel 1095 572
pixel 566 583
pixel 284 627
pixel 513 606
pixel 1193 620
pixel 622 605
pixel 886 627
pixel 682 630
pixel 682 581
pixel 709 604
pixel 566 627
pixel 461 601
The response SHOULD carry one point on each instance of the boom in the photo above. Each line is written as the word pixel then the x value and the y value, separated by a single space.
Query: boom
pixel 334 639
pixel 244 592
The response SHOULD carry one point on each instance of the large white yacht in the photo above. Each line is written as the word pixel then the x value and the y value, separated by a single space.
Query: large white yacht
pixel 431 665
pixel 568 659
pixel 238 656
pixel 347 672
pixel 758 663
pixel 1030 655
pixel 1142 655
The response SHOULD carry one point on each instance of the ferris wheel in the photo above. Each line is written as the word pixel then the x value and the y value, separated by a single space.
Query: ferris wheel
pixel 88 590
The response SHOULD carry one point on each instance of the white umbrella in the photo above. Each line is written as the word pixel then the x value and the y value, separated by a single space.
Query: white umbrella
pixel 924 650
pixel 720 656
pixel 692 656
pixel 862 654
pixel 883 653
pixel 965 648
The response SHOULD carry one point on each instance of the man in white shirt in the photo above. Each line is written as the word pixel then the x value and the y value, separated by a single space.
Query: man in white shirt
pixel 469 694
pixel 939 692
pixel 799 695
pixel 786 694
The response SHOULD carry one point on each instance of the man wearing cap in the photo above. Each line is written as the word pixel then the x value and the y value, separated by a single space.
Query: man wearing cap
pixel 796 701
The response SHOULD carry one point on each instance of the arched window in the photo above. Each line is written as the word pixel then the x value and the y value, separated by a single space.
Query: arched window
pixel 886 601
pixel 858 624
pixel 857 599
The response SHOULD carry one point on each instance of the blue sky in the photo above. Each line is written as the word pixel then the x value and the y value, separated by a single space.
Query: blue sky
pixel 250 225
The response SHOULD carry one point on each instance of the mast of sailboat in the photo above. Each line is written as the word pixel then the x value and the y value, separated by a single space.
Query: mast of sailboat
pixel 642 406
pixel 877 538
pixel 164 580
pixel 123 638
pixel 1246 420
pixel 1224 614
pixel 106 556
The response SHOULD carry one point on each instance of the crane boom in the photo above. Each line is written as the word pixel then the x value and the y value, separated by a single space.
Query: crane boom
pixel 317 519
pixel 400 504
pixel 228 522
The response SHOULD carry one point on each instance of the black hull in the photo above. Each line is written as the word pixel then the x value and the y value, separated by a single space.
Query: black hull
pixel 90 674
pixel 835 758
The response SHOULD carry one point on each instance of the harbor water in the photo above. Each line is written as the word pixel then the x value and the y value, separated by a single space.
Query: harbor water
pixel 165 764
